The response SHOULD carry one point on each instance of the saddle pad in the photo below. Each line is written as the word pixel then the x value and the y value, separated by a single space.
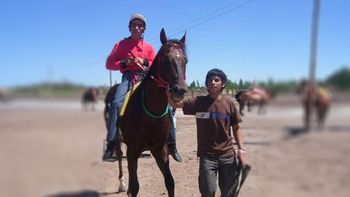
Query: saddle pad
pixel 127 97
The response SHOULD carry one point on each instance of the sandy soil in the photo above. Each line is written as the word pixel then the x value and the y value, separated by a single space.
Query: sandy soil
pixel 54 149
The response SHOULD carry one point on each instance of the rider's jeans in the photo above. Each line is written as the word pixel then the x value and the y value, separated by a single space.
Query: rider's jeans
pixel 116 105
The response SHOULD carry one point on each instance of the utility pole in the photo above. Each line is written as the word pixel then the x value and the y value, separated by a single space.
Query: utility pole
pixel 110 78
pixel 314 33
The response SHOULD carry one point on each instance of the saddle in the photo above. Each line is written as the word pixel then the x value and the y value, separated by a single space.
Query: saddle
pixel 127 98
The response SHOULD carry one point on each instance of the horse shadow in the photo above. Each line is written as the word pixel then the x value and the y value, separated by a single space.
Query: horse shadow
pixel 83 193
pixel 293 132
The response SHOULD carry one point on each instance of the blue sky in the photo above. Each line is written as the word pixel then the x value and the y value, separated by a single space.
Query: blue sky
pixel 69 40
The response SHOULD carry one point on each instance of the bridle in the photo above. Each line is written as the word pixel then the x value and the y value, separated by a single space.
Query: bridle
pixel 160 81
pixel 158 78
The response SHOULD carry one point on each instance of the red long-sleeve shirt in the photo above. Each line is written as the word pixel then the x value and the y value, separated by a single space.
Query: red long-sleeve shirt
pixel 125 49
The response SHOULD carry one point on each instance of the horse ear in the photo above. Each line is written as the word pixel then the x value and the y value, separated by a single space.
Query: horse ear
pixel 183 39
pixel 163 37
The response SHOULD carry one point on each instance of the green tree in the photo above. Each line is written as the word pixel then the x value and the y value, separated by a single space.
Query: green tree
pixel 192 85
pixel 229 87
pixel 340 79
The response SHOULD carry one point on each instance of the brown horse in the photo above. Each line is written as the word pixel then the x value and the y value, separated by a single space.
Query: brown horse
pixel 314 98
pixel 253 96
pixel 89 97
pixel 145 125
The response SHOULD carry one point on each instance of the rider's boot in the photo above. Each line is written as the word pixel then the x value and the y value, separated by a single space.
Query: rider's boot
pixel 108 154
pixel 173 152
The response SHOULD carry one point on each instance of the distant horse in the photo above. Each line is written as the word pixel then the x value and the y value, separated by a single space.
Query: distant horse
pixel 314 98
pixel 253 96
pixel 89 97
pixel 145 125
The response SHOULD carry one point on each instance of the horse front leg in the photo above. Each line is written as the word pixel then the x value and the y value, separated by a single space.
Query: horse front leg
pixel 261 109
pixel 321 116
pixel 132 157
pixel 307 115
pixel 249 106
pixel 162 158
pixel 241 107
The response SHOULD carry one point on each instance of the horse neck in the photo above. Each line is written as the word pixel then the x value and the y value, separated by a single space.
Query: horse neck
pixel 154 97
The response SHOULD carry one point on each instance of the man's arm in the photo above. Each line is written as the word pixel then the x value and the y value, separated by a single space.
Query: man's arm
pixel 237 135
pixel 174 104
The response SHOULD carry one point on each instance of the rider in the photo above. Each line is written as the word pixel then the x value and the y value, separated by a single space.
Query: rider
pixel 131 56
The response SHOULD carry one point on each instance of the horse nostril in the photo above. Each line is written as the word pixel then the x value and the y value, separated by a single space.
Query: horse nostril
pixel 182 91
pixel 178 91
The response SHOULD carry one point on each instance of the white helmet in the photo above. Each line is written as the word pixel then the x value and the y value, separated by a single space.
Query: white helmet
pixel 137 16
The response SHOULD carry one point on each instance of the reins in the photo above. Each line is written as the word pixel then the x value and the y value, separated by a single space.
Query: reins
pixel 148 112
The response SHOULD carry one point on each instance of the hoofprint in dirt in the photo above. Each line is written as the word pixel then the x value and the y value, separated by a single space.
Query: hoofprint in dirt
pixel 52 151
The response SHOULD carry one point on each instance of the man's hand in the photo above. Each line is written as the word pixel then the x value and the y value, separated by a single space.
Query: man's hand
pixel 139 61
pixel 172 103
pixel 125 63
pixel 240 155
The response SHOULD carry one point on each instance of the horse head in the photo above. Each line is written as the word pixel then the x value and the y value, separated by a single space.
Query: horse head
pixel 173 60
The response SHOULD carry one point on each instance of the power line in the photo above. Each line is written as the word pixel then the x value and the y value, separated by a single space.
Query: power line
pixel 201 20
pixel 197 22
pixel 208 17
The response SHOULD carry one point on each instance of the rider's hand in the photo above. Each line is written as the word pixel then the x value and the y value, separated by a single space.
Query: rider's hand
pixel 139 60
pixel 126 62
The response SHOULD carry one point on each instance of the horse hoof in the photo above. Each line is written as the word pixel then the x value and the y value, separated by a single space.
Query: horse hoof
pixel 122 188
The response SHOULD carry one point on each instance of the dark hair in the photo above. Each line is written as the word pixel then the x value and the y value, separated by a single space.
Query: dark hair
pixel 216 72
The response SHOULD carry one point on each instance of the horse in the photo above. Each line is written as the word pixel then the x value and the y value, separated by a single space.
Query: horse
pixel 144 124
pixel 313 98
pixel 90 97
pixel 253 96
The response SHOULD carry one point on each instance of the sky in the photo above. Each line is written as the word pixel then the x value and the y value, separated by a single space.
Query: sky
pixel 252 40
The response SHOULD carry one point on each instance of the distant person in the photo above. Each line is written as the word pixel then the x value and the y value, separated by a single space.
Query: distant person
pixel 215 116
pixel 132 56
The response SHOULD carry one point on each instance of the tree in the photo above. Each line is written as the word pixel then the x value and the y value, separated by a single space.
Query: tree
pixel 229 86
pixel 340 79
pixel 192 86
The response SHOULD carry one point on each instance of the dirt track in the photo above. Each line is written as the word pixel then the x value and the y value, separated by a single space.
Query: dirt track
pixel 55 149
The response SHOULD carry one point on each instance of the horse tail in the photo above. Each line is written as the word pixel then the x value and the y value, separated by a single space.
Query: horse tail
pixel 110 94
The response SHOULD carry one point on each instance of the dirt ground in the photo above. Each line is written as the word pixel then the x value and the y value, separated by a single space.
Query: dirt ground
pixel 54 149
